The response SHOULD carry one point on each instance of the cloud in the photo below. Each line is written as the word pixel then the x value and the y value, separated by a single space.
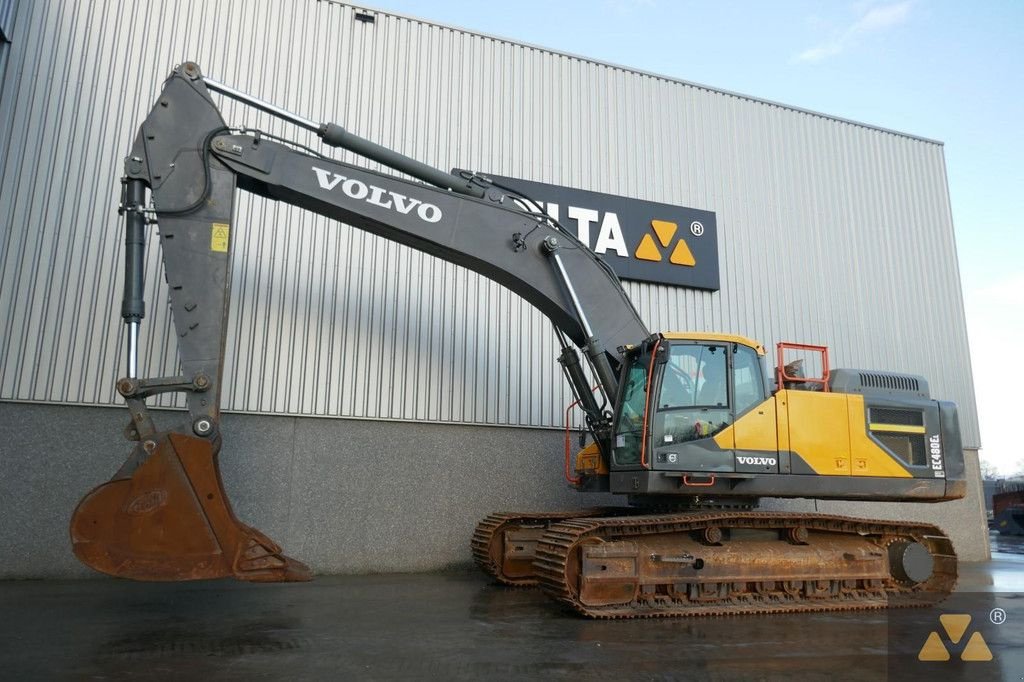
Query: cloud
pixel 874 19
pixel 881 18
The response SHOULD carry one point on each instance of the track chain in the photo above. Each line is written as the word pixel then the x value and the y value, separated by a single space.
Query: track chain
pixel 489 531
pixel 556 549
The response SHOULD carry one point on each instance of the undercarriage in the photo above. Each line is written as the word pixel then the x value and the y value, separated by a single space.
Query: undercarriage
pixel 602 563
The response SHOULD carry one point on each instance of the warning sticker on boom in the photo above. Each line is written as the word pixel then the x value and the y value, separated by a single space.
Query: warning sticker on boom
pixel 219 237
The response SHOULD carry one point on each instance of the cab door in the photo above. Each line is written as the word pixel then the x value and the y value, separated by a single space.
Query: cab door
pixel 756 439
pixel 629 440
pixel 690 409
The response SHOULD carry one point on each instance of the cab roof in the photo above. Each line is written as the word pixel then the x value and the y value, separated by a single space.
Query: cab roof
pixel 714 336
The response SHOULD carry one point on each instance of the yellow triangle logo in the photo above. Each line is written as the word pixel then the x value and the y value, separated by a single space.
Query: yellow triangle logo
pixel 976 649
pixel 681 255
pixel 647 249
pixel 955 625
pixel 665 230
pixel 933 650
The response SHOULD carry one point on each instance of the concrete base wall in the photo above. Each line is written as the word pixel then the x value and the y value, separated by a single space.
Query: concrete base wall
pixel 345 496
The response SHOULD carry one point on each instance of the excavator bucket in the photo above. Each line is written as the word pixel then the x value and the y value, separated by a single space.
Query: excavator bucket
pixel 171 520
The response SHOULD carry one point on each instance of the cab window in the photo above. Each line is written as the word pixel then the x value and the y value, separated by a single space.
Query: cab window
pixel 695 376
pixel 747 378
pixel 629 426
pixel 694 399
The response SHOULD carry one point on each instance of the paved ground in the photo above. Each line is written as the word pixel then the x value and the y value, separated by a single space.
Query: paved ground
pixel 458 626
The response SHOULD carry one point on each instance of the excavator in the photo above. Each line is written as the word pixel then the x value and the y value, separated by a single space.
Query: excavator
pixel 687 427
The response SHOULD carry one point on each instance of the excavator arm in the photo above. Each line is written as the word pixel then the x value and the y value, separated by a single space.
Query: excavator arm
pixel 164 515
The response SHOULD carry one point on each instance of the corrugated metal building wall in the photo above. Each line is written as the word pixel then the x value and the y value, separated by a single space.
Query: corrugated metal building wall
pixel 7 8
pixel 830 232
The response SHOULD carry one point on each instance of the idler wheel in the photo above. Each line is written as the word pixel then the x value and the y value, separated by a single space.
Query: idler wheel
pixel 910 561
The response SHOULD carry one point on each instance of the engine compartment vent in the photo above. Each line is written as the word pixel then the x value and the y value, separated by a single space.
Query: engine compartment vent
pixel 878 383
pixel 893 382
pixel 891 415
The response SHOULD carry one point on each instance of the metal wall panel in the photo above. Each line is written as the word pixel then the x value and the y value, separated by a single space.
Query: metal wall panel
pixel 7 10
pixel 830 232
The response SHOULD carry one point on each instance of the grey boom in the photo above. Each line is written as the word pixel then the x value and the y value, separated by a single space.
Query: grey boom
pixel 192 162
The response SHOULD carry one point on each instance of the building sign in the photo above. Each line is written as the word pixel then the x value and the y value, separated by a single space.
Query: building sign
pixel 641 240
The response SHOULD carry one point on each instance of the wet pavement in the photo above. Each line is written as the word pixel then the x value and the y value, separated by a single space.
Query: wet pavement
pixel 459 626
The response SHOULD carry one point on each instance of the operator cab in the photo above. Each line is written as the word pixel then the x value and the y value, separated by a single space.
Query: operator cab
pixel 683 389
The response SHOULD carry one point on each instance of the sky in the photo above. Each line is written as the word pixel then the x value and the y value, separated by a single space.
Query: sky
pixel 942 69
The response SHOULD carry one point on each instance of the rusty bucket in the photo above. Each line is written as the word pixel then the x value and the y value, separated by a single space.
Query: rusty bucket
pixel 171 520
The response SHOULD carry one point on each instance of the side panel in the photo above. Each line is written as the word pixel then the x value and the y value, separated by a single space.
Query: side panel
pixel 819 430
pixel 758 429
pixel 830 436
pixel 757 440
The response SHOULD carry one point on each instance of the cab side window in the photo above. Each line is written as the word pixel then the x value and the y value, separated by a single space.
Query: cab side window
pixel 748 380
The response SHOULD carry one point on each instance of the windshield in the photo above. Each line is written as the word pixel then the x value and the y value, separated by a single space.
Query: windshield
pixel 695 376
pixel 694 398
pixel 691 401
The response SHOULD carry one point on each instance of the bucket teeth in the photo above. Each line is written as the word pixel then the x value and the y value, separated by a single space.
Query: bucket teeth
pixel 171 520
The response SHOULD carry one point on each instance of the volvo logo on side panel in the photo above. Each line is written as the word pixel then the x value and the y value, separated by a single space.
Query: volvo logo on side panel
pixel 755 463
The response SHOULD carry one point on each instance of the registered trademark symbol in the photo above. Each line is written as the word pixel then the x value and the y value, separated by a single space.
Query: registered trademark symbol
pixel 696 228
pixel 997 616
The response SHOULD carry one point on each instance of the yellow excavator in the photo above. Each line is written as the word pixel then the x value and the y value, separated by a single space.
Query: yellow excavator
pixel 687 426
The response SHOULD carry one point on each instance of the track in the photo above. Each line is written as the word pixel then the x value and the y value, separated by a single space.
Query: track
pixel 504 544
pixel 728 563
